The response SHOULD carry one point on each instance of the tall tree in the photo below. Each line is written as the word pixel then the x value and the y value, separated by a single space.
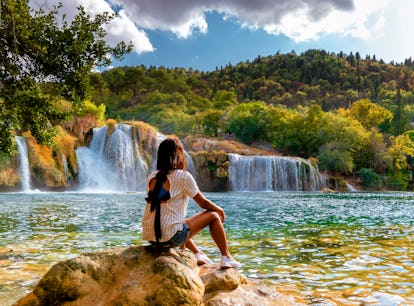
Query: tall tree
pixel 39 48
pixel 400 119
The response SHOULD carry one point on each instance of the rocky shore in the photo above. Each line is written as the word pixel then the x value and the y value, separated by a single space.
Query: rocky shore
pixel 141 276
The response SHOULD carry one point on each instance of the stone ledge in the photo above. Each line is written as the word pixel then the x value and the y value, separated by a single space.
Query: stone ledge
pixel 141 276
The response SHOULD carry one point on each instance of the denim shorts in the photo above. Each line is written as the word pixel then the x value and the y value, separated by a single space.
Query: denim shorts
pixel 178 239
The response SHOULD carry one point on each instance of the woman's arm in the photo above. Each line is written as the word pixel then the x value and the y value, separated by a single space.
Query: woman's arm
pixel 208 205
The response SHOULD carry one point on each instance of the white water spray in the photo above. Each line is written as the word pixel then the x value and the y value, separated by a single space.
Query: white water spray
pixel 273 173
pixel 23 163
pixel 112 163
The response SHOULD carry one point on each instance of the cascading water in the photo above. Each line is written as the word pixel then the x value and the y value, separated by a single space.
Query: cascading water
pixel 112 163
pixel 23 163
pixel 273 173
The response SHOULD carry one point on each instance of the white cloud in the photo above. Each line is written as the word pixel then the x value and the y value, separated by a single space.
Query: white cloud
pixel 300 20
pixel 181 17
pixel 120 28
pixel 123 28
pixel 392 37
pixel 376 23
pixel 297 19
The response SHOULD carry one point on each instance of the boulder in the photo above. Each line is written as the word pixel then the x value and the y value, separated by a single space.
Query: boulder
pixel 212 169
pixel 144 276
pixel 215 279
pixel 250 295
pixel 133 276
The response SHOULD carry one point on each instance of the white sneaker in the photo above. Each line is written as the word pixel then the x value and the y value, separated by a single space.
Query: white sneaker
pixel 228 262
pixel 202 259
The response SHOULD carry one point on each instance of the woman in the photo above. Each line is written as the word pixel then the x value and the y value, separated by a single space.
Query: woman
pixel 169 189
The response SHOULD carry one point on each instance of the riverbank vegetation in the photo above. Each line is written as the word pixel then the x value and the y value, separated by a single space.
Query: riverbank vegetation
pixel 353 115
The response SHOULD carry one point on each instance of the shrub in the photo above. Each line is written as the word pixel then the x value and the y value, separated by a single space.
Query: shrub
pixel 398 181
pixel 335 159
pixel 370 178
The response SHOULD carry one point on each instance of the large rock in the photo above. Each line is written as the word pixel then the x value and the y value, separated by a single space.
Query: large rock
pixel 229 287
pixel 140 276
pixel 251 295
pixel 212 169
pixel 132 276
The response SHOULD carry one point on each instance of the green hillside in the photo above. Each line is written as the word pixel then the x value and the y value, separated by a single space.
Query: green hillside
pixel 353 115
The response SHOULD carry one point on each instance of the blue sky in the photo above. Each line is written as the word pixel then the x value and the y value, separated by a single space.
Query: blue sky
pixel 225 42
pixel 212 33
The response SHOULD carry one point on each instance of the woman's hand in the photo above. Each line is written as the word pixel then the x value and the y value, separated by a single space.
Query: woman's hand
pixel 221 213
pixel 208 205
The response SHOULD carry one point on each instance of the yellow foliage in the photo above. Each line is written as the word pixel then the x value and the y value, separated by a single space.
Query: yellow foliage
pixel 401 148
pixel 39 155
pixel 369 114
pixel 89 108
pixel 42 163
pixel 64 147
pixel 62 105
pixel 99 111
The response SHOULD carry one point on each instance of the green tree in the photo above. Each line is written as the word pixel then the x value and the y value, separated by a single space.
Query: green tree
pixel 211 122
pixel 373 153
pixel 401 148
pixel 246 121
pixel 334 158
pixel 38 49
pixel 399 122
pixel 175 122
pixel 223 99
pixel 370 178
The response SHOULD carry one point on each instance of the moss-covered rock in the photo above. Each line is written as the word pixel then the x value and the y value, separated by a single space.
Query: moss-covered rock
pixel 44 168
pixel 212 169
pixel 147 138
pixel 63 150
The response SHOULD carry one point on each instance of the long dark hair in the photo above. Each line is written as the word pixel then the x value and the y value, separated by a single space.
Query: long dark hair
pixel 170 156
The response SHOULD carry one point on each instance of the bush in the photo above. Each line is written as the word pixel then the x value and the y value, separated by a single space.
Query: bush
pixel 335 159
pixel 370 178
pixel 398 181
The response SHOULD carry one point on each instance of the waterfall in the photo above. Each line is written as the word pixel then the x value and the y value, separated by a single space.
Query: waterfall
pixel 112 163
pixel 273 173
pixel 23 163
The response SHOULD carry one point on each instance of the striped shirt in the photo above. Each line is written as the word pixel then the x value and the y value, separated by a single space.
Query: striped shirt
pixel 182 188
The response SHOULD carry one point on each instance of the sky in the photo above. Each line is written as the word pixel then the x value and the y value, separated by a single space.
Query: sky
pixel 205 35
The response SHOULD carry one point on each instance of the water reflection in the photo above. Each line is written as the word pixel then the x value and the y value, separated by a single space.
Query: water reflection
pixel 346 248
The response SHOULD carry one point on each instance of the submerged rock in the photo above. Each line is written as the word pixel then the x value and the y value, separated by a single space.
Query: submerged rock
pixel 139 276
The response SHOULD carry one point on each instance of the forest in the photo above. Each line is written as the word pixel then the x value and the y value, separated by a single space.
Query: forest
pixel 352 116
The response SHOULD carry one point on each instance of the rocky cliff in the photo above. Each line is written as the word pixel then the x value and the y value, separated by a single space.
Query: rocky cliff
pixel 138 276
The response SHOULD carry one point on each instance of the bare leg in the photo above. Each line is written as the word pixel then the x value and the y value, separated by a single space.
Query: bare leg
pixel 212 219
pixel 191 246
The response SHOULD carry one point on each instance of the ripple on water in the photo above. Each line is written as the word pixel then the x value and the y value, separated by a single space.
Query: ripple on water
pixel 344 248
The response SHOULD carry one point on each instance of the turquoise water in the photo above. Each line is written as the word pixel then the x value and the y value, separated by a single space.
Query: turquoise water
pixel 349 248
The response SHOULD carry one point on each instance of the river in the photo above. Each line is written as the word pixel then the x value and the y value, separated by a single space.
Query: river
pixel 347 248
